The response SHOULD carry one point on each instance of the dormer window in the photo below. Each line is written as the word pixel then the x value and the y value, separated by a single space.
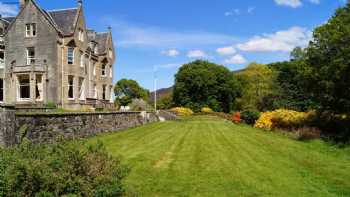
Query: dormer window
pixel 70 55
pixel 103 70
pixel 31 30
pixel 81 35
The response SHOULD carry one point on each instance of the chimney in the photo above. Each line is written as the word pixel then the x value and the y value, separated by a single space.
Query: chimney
pixel 80 2
pixel 22 3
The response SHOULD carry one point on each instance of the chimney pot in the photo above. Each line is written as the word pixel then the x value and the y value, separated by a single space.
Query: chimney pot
pixel 80 2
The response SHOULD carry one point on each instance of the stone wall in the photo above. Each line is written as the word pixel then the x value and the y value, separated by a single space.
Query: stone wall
pixel 47 127
pixel 7 126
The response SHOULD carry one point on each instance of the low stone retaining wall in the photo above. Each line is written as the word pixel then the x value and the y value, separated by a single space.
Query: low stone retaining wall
pixel 46 127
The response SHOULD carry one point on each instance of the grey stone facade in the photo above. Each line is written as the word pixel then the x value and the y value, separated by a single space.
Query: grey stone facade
pixel 51 57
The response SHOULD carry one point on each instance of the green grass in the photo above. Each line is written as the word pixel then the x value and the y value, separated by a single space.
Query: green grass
pixel 207 156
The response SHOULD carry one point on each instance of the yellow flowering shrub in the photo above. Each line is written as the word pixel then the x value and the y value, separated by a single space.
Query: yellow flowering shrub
pixel 265 121
pixel 182 111
pixel 284 119
pixel 207 110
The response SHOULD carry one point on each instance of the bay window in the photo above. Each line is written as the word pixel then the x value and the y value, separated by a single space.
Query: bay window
pixel 1 90
pixel 39 88
pixel 81 89
pixel 23 88
pixel 70 87
pixel 104 92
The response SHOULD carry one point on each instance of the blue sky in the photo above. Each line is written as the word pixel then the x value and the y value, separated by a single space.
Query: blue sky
pixel 163 34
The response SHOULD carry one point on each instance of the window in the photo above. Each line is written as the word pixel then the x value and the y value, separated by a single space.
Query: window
pixel 1 90
pixel 82 59
pixel 30 56
pixel 70 55
pixel 81 88
pixel 95 91
pixel 96 49
pixel 1 31
pixel 23 87
pixel 2 59
pixel 104 92
pixel 81 35
pixel 39 88
pixel 103 70
pixel 31 30
pixel 111 99
pixel 71 87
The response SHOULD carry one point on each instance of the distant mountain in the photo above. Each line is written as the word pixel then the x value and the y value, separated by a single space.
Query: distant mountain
pixel 161 93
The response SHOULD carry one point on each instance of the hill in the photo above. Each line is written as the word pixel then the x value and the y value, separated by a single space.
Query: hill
pixel 161 93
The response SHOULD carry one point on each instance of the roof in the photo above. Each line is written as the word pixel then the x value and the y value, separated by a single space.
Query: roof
pixel 9 19
pixel 65 19
pixel 101 39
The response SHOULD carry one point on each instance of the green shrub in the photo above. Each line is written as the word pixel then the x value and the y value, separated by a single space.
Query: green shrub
pixel 250 117
pixel 65 169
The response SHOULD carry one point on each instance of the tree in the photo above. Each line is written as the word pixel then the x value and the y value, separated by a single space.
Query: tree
pixel 258 84
pixel 203 84
pixel 290 79
pixel 126 90
pixel 327 72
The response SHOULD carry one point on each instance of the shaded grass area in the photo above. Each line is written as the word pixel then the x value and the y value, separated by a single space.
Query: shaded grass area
pixel 207 156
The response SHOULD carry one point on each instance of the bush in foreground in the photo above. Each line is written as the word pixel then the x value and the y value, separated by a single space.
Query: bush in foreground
pixel 206 110
pixel 284 119
pixel 65 169
pixel 250 117
pixel 182 111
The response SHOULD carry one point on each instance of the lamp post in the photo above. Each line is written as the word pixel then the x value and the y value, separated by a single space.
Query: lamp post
pixel 155 88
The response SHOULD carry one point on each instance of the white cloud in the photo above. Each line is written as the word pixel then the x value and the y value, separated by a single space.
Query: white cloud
pixel 169 66
pixel 281 41
pixel 230 50
pixel 250 10
pixel 315 1
pixel 295 3
pixel 236 59
pixel 8 10
pixel 233 12
pixel 171 52
pixel 135 35
pixel 290 3
pixel 196 54
pixel 229 13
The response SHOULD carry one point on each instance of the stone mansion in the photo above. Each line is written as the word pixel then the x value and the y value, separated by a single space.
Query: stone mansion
pixel 51 57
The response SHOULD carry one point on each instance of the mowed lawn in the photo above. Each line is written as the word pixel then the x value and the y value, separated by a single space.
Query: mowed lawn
pixel 207 156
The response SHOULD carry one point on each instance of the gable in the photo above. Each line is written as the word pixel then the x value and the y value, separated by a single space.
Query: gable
pixel 29 8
